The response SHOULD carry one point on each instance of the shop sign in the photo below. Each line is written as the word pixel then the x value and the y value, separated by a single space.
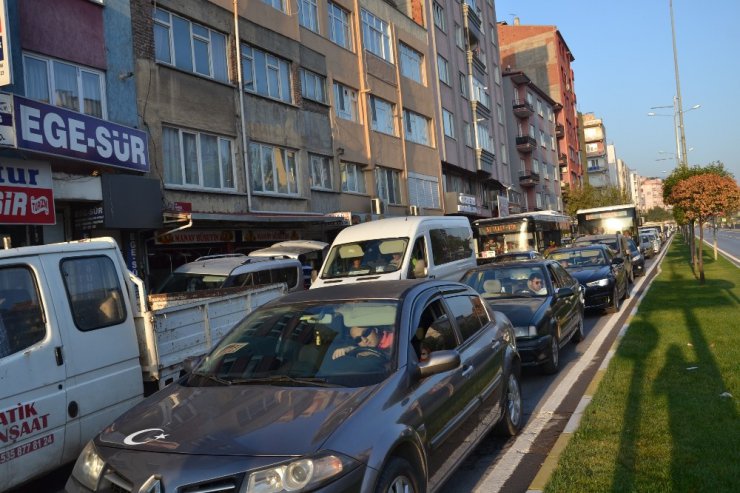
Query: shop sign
pixel 48 129
pixel 89 218
pixel 271 234
pixel 195 236
pixel 26 192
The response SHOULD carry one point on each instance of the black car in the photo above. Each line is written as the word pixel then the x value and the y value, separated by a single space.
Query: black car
pixel 545 316
pixel 618 243
pixel 374 386
pixel 638 259
pixel 599 270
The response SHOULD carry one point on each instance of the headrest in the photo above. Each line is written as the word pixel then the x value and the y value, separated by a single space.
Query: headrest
pixel 492 286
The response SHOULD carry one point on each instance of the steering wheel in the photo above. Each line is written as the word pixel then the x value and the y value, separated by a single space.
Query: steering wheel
pixel 523 291
pixel 372 351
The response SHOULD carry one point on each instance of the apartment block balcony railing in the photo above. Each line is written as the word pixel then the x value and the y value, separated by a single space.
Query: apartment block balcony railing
pixel 525 143
pixel 473 21
pixel 596 153
pixel 597 169
pixel 528 178
pixel 522 109
pixel 559 130
pixel 485 160
pixel 478 59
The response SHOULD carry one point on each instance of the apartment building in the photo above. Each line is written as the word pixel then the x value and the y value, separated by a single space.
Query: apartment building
pixel 651 194
pixel 594 138
pixel 473 150
pixel 530 114
pixel 542 53
pixel 634 187
pixel 73 155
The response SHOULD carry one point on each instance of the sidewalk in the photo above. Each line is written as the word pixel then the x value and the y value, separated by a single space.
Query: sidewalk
pixel 663 416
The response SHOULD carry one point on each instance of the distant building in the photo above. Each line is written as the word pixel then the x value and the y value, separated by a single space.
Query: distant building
pixel 594 138
pixel 651 194
pixel 542 54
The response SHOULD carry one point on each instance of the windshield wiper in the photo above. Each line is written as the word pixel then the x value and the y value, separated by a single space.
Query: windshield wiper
pixel 283 379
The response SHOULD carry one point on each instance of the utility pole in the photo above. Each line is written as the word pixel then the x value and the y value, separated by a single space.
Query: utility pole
pixel 683 158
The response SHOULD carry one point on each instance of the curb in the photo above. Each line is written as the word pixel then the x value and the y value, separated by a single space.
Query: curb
pixel 551 461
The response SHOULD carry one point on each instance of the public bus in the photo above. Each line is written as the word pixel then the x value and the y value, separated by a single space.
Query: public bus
pixel 609 220
pixel 521 232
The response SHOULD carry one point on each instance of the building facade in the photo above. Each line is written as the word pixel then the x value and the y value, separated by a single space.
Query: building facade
pixel 651 194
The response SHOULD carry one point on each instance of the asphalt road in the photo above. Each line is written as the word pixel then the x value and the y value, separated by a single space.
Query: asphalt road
pixel 728 240
pixel 538 391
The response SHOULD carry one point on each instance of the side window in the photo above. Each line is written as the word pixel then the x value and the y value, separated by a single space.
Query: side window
pixel 565 278
pixel 288 275
pixel 21 318
pixel 434 330
pixel 557 281
pixel 262 277
pixel 245 280
pixel 418 259
pixel 450 244
pixel 469 313
pixel 95 296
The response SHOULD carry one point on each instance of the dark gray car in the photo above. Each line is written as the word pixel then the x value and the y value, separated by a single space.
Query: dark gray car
pixel 380 386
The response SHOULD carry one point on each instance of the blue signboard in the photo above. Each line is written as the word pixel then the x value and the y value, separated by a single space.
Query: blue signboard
pixel 57 131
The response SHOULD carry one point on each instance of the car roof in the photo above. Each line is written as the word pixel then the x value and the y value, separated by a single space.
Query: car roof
pixel 363 291
pixel 225 264
pixel 591 246
pixel 519 264
pixel 599 237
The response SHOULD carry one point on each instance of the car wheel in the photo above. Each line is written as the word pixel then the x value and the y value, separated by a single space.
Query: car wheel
pixel 552 365
pixel 511 421
pixel 578 335
pixel 398 477
pixel 616 301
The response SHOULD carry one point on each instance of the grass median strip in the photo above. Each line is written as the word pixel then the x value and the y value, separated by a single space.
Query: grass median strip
pixel 665 416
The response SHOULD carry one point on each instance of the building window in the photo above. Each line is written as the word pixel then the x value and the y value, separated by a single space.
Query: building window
pixel 197 159
pixel 500 113
pixel 273 169
pixel 189 46
pixel 340 28
pixel 484 139
pixel 552 142
pixel 535 165
pixel 539 107
pixel 65 85
pixel 423 191
pixel 345 102
pixel 308 15
pixel 463 85
pixel 496 74
pixel 444 69
pixel 539 200
pixel 412 63
pixel 529 97
pixel 543 139
pixel 504 154
pixel 459 40
pixel 448 122
pixel 439 17
pixel 480 93
pixel 276 4
pixel 468 134
pixel 265 74
pixel 321 174
pixel 313 86
pixel 531 131
pixel 376 36
pixel 381 114
pixel 388 185
pixel 417 127
pixel 353 179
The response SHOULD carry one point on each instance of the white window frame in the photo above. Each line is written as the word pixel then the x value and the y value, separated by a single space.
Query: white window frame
pixel 448 123
pixel 163 19
pixel 225 158
pixel 444 69
pixel 308 14
pixel 485 141
pixel 382 115
pixel 289 170
pixel 388 185
pixel 352 173
pixel 412 63
pixel 439 17
pixel 276 69
pixel 276 4
pixel 313 86
pixel 376 37
pixel 417 127
pixel 480 93
pixel 51 84
pixel 321 172
pixel 339 17
pixel 345 102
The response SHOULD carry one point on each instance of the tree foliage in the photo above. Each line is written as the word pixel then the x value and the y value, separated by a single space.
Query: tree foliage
pixel 658 214
pixel 680 174
pixel 588 197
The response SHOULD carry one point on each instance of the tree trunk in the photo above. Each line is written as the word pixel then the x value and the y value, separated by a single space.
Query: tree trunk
pixel 692 243
pixel 699 254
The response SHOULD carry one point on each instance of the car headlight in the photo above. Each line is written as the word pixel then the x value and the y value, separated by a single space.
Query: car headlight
pixel 299 474
pixel 525 331
pixel 600 282
pixel 89 467
pixel 635 258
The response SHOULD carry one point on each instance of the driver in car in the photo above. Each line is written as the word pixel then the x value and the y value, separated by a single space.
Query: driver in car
pixel 365 337
pixel 536 284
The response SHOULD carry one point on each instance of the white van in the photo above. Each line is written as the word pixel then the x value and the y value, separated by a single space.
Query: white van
pixel 409 247
pixel 233 270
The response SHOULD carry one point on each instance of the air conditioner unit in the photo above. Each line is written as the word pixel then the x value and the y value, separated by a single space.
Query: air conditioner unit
pixel 414 210
pixel 377 206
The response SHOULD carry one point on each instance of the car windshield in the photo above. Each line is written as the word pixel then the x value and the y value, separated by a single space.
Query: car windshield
pixel 610 242
pixel 365 257
pixel 508 281
pixel 178 282
pixel 587 257
pixel 349 344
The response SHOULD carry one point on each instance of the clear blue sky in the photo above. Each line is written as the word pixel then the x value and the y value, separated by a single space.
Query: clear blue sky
pixel 624 65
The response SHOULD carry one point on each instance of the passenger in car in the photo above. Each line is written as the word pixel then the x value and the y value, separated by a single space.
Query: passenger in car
pixel 365 337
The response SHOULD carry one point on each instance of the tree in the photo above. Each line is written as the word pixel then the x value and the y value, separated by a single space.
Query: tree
pixel 658 214
pixel 703 197
pixel 588 197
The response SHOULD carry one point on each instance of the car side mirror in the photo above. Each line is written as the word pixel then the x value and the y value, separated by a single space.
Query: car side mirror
pixel 564 292
pixel 438 362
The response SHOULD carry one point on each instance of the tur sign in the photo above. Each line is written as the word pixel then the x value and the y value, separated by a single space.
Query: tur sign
pixel 26 194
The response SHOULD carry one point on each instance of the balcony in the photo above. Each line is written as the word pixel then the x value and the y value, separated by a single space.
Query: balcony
pixel 485 161
pixel 525 143
pixel 559 131
pixel 522 109
pixel 478 59
pixel 563 159
pixel 473 23
pixel 528 178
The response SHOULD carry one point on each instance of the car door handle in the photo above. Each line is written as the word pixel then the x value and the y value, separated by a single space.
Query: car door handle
pixel 467 371
pixel 58 355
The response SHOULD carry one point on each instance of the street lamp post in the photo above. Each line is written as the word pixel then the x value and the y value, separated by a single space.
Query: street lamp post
pixel 683 158
pixel 681 151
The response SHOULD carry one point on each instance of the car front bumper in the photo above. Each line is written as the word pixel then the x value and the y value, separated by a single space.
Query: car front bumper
pixel 598 297
pixel 534 351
